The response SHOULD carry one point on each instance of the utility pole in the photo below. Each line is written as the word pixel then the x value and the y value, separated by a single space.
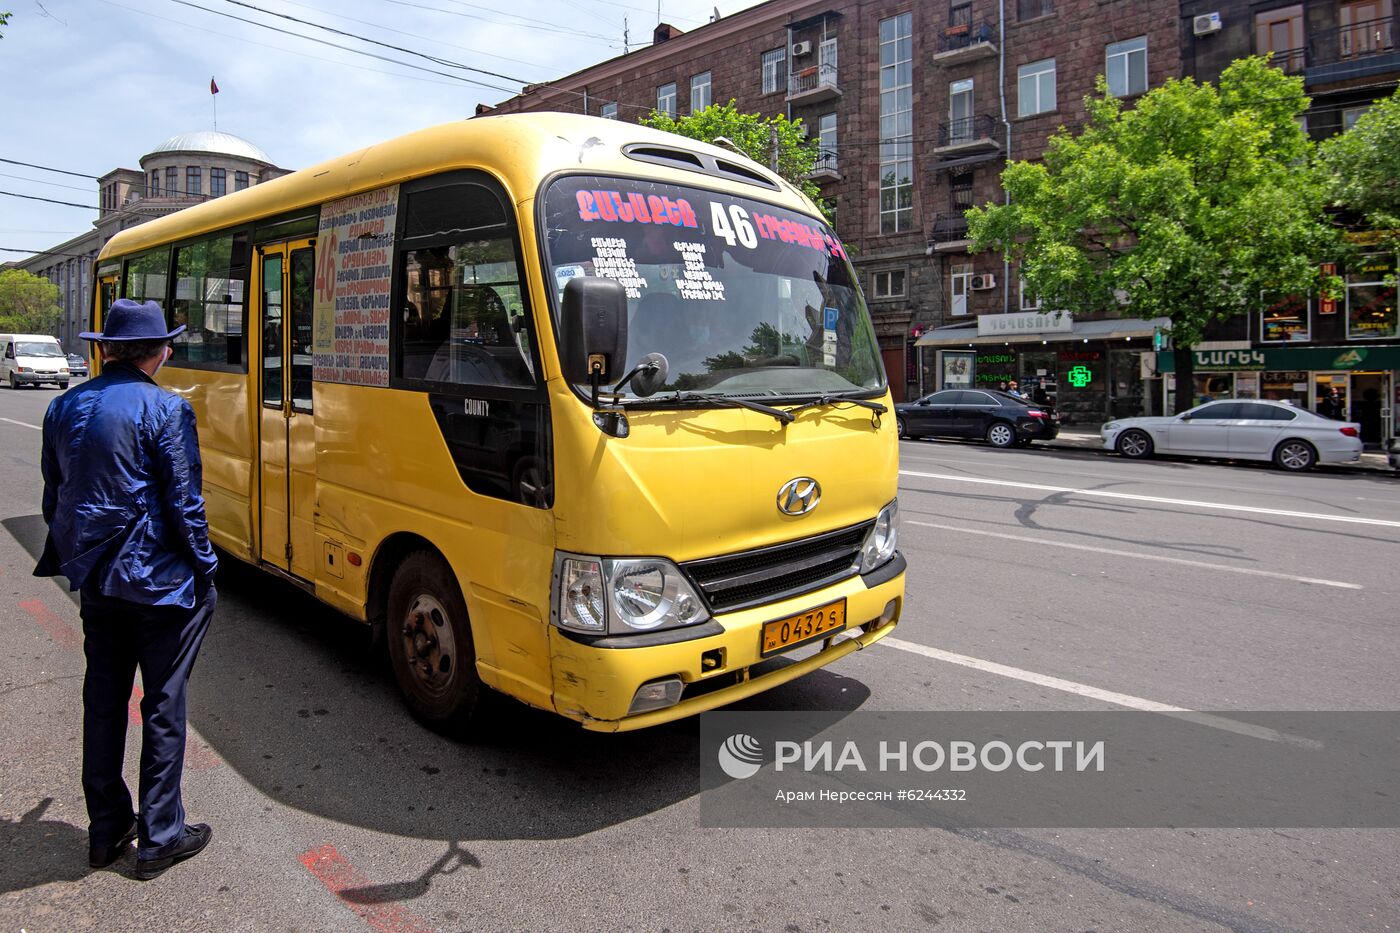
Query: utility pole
pixel 626 40
pixel 773 148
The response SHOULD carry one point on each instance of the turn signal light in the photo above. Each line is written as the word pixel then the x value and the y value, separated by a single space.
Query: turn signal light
pixel 1349 431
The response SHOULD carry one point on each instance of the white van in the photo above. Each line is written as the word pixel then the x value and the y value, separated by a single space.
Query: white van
pixel 31 359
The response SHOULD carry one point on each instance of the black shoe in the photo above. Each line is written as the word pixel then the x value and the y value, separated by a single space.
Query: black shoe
pixel 102 856
pixel 192 843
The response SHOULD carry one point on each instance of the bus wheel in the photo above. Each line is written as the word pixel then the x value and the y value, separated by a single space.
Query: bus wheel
pixel 430 643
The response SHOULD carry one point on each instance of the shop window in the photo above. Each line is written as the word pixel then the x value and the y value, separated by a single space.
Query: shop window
pixel 1371 313
pixel 1284 319
pixel 210 282
pixel 1285 386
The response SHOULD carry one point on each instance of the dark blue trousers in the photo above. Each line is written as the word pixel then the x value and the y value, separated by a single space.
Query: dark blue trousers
pixel 163 641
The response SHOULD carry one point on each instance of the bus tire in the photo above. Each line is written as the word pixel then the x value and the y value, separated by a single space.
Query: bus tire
pixel 430 643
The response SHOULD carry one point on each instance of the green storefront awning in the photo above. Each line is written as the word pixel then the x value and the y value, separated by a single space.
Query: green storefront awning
pixel 1274 359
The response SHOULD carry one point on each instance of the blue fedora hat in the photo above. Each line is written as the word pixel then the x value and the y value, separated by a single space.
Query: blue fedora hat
pixel 134 320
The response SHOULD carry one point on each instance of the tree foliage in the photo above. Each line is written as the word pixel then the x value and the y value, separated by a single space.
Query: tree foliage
pixel 1187 206
pixel 28 303
pixel 753 135
pixel 1364 167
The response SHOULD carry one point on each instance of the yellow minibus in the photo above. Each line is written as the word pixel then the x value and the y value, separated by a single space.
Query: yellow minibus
pixel 582 412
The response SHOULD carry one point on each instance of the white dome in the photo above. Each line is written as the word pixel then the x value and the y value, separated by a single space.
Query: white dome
pixel 211 141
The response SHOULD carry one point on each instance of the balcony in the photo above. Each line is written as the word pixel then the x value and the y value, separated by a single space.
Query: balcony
pixel 1357 50
pixel 967 136
pixel 813 85
pixel 966 42
pixel 949 234
pixel 1290 61
pixel 825 168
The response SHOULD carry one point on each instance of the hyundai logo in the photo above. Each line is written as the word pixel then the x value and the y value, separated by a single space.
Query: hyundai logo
pixel 799 496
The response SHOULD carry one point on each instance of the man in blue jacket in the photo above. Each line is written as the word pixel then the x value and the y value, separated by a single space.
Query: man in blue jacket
pixel 123 502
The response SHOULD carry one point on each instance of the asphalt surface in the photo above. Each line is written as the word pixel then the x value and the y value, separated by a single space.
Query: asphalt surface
pixel 1204 586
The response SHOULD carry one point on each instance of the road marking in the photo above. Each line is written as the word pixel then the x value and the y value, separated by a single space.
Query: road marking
pixel 1158 500
pixel 340 877
pixel 1094 693
pixel 1206 565
pixel 23 424
pixel 60 631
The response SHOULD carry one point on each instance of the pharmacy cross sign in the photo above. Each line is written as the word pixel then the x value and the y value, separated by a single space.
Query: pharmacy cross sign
pixel 1080 376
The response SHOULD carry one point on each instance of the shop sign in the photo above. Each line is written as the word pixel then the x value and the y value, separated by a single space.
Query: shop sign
pixel 1298 359
pixel 1026 322
pixel 1327 305
pixel 1080 356
pixel 1220 361
pixel 1080 376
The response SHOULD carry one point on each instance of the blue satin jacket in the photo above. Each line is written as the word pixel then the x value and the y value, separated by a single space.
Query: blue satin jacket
pixel 122 491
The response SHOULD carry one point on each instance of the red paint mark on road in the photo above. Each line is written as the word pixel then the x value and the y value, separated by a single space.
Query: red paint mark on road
pixel 338 875
pixel 60 631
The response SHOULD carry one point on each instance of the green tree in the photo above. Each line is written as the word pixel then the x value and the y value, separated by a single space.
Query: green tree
pixel 1364 168
pixel 4 19
pixel 1188 206
pixel 28 303
pixel 754 136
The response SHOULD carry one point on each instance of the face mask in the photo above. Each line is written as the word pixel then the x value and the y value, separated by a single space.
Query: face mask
pixel 165 355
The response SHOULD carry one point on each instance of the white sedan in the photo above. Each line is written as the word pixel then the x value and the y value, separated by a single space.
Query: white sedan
pixel 1244 429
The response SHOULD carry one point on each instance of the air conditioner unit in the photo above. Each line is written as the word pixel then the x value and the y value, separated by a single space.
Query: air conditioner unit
pixel 984 282
pixel 801 48
pixel 1205 24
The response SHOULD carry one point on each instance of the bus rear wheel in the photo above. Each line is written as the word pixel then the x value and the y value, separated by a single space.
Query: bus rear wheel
pixel 430 643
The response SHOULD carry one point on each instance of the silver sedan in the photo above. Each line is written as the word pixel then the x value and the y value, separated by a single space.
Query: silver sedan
pixel 1243 429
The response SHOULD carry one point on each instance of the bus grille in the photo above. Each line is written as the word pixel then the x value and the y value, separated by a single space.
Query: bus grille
pixel 737 581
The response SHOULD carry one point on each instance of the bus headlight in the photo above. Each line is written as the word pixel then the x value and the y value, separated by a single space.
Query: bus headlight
pixel 882 540
pixel 624 595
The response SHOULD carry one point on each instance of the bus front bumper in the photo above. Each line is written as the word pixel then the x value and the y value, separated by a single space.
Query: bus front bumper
pixel 596 685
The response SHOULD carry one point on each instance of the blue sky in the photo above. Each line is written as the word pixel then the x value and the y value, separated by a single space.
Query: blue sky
pixel 91 85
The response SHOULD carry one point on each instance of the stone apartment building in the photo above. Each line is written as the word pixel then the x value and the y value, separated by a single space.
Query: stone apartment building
pixel 1300 349
pixel 916 106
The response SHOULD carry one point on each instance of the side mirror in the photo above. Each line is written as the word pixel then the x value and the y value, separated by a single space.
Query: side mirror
pixel 594 330
pixel 924 401
pixel 1185 417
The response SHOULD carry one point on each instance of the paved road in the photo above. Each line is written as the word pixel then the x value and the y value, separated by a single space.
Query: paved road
pixel 1055 580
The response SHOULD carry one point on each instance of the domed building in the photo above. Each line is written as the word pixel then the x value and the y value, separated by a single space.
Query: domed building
pixel 182 171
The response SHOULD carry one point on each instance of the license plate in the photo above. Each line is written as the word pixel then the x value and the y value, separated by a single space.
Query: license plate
pixel 781 634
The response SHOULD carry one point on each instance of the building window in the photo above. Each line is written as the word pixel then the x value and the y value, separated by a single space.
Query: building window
pixel 172 181
pixel 666 99
pixel 1351 114
pixel 959 18
pixel 1366 28
pixel 889 284
pixel 1285 318
pixel 699 92
pixel 1031 9
pixel 897 124
pixel 155 183
pixel 193 183
pixel 1035 88
pixel 1371 313
pixel 773 61
pixel 1029 302
pixel 608 111
pixel 1125 63
pixel 218 183
pixel 240 181
pixel 961 120
pixel 826 143
pixel 1281 32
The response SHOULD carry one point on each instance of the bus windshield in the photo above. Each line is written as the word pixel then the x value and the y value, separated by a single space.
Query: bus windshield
pixel 740 296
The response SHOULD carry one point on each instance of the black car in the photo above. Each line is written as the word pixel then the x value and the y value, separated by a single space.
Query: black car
pixel 1002 420
pixel 77 365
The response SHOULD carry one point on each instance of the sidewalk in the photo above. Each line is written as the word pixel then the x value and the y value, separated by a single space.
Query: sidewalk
pixel 1086 437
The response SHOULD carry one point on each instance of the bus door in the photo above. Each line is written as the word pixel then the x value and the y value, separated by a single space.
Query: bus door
pixel 287 444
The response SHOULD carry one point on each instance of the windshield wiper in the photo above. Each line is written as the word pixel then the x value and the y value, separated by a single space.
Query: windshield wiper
pixel 722 401
pixel 829 399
